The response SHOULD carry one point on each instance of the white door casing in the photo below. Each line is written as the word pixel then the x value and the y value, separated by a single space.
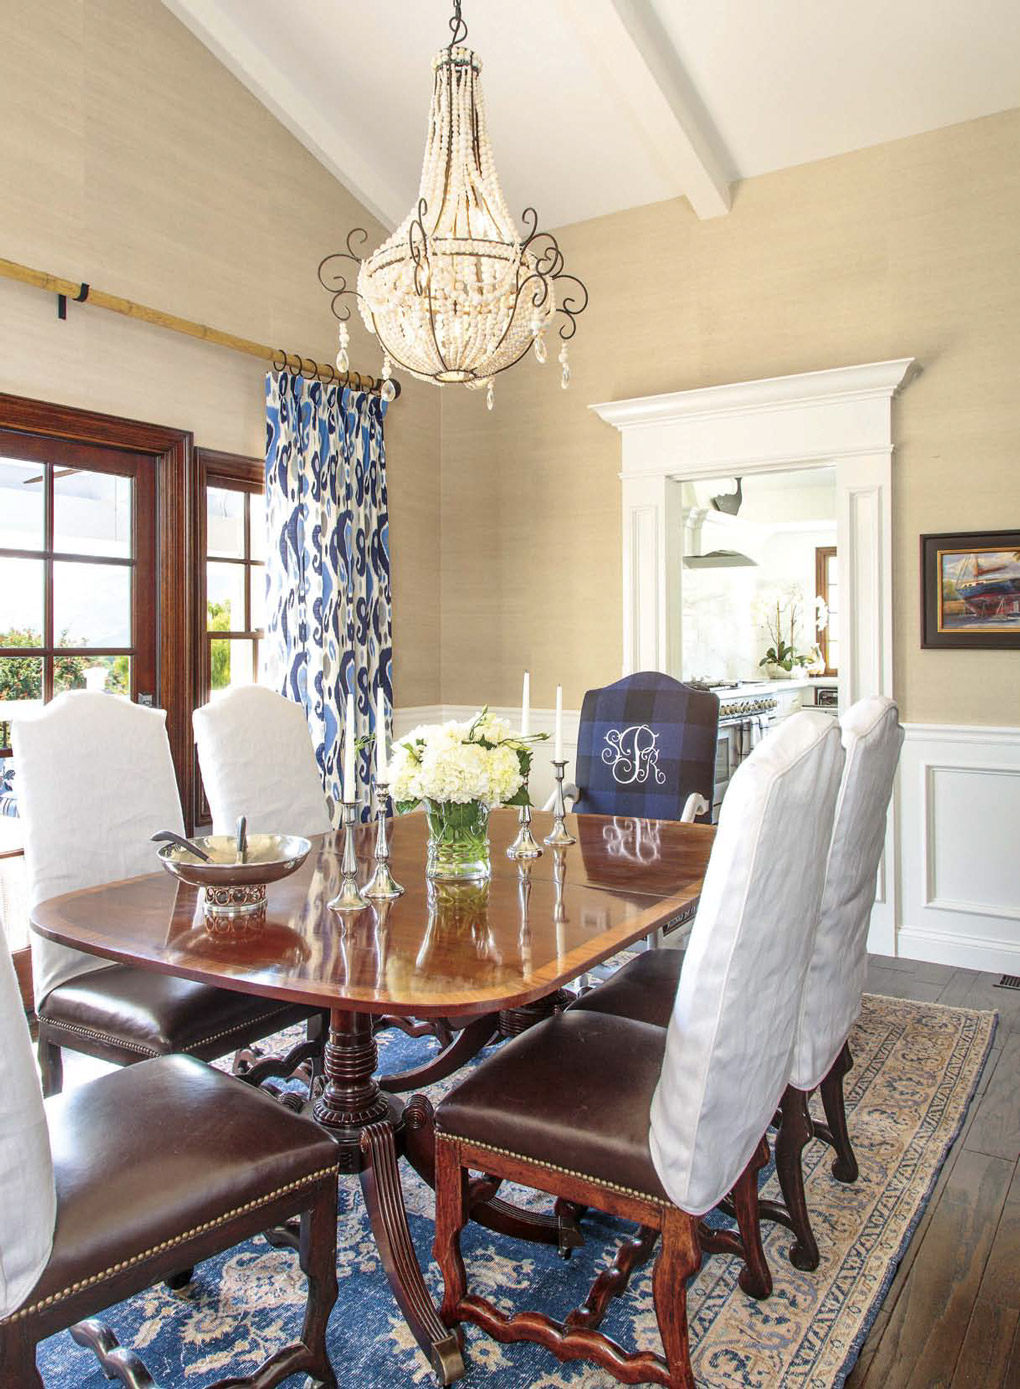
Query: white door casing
pixel 841 417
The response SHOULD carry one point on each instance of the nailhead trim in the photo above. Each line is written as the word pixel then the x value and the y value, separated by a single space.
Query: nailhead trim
pixel 83 1283
pixel 109 1039
pixel 555 1167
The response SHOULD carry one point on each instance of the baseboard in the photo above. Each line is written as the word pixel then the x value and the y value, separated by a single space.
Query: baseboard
pixel 963 951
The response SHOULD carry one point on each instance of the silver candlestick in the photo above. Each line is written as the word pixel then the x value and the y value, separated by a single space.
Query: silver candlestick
pixel 382 883
pixel 558 834
pixel 349 898
pixel 525 846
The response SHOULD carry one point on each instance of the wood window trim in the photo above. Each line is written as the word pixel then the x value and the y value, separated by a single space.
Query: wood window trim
pixel 172 454
pixel 213 468
pixel 823 553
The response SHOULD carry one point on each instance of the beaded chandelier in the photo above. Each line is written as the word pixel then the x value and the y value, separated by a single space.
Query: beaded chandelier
pixel 457 294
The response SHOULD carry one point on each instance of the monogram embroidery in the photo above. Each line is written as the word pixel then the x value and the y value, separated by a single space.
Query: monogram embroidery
pixel 633 754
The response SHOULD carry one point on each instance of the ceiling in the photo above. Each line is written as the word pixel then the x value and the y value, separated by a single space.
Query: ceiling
pixel 600 105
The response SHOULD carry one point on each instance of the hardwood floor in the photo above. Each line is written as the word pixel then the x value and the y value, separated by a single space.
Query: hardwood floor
pixel 952 1315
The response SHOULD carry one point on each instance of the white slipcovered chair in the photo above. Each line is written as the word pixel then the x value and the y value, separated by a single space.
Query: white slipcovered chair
pixel 95 780
pixel 654 1125
pixel 257 760
pixel 92 1210
pixel 872 738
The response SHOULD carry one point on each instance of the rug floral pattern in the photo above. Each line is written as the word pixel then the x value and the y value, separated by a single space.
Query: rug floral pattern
pixel 916 1069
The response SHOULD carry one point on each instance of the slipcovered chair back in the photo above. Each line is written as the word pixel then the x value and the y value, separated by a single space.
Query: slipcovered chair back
pixel 28 1200
pixel 872 738
pixel 730 1038
pixel 644 745
pixel 95 780
pixel 257 760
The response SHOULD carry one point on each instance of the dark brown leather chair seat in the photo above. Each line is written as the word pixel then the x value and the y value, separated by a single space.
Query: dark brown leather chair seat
pixel 574 1092
pixel 126 1188
pixel 643 989
pixel 123 1014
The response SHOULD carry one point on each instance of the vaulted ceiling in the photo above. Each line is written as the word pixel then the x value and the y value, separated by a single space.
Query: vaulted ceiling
pixel 600 105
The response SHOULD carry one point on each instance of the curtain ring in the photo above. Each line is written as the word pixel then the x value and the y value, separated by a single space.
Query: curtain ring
pixel 282 364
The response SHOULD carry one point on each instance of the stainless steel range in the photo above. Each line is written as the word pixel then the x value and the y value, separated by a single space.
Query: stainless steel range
pixel 746 713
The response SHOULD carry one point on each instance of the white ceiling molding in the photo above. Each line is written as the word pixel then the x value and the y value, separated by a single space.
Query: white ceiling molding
pixel 344 151
pixel 630 50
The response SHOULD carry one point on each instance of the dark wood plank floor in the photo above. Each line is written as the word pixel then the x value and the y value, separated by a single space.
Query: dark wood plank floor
pixel 952 1315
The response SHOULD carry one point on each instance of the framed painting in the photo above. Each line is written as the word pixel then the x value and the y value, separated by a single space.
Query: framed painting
pixel 970 590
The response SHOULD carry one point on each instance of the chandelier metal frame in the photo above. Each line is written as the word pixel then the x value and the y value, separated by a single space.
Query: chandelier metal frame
pixel 535 258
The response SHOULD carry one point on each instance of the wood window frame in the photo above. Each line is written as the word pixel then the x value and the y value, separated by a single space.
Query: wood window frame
pixel 823 553
pixel 171 452
pixel 238 472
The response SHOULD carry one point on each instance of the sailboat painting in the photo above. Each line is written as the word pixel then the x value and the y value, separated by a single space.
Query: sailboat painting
pixel 971 586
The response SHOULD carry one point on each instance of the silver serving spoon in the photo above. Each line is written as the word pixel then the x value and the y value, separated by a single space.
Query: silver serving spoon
pixel 168 837
pixel 242 839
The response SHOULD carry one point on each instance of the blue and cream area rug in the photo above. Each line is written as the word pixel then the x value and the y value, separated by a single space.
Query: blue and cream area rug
pixel 917 1068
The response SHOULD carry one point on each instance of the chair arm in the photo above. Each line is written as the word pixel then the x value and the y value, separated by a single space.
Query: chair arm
pixel 570 795
pixel 696 805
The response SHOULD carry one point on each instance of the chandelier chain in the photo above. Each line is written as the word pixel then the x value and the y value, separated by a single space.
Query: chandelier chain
pixel 458 28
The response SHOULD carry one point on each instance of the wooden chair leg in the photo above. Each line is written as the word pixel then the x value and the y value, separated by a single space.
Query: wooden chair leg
pixel 51 1067
pixel 679 1257
pixel 756 1276
pixel 451 1217
pixel 17 1358
pixel 844 1167
pixel 317 1254
pixel 795 1130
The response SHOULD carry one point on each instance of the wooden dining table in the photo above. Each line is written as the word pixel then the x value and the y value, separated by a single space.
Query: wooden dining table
pixel 463 953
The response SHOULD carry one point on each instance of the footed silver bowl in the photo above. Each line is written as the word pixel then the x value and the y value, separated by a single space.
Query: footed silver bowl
pixel 233 882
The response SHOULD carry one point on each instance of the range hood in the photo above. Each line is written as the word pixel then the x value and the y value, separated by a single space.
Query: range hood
pixel 718 559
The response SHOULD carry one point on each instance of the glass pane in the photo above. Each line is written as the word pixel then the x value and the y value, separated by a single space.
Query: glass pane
pixel 224 513
pixel 91 604
pixel 224 590
pixel 21 688
pixel 833 654
pixel 22 500
pixel 258 525
pixel 258 597
pixel 231 663
pixel 109 673
pixel 91 513
pixel 21 602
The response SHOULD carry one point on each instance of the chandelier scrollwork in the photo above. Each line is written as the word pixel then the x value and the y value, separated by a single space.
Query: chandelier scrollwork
pixel 457 294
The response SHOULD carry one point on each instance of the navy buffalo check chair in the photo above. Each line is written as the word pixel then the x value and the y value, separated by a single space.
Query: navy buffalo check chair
pixel 646 748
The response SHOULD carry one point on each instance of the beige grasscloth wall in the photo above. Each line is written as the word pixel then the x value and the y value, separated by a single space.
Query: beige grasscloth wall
pixel 130 158
pixel 908 249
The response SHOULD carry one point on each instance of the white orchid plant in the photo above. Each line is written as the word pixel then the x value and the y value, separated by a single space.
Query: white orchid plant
pixel 481 760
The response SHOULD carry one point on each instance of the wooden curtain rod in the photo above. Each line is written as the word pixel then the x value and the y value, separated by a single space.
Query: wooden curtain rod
pixel 281 360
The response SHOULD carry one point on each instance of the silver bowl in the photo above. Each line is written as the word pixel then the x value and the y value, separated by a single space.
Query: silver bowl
pixel 235 886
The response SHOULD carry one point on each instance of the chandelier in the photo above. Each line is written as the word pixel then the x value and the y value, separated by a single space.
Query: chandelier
pixel 457 294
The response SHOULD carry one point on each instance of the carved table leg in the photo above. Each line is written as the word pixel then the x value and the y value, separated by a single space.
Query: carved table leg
pixel 380 1182
pixel 115 1360
pixel 351 1099
pixel 513 1021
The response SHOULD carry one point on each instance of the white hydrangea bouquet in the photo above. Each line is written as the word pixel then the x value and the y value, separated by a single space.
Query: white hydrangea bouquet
pixel 459 771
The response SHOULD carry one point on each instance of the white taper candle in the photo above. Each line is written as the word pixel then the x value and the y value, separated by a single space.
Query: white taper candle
pixel 526 704
pixel 350 784
pixel 558 744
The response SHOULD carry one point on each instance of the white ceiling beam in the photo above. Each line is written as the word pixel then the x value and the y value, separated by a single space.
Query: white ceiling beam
pixel 631 51
pixel 341 149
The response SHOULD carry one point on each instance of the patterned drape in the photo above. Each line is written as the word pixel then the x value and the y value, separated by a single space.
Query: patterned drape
pixel 328 623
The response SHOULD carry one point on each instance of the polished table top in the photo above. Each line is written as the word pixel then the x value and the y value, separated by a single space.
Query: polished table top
pixel 440 949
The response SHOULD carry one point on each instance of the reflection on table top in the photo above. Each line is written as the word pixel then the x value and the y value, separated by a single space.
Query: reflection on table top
pixel 440 949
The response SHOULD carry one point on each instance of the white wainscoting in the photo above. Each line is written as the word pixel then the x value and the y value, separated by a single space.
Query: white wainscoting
pixel 959 806
pixel 542 721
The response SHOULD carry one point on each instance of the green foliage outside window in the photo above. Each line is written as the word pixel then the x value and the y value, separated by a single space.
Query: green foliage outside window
pixel 21 676
pixel 219 651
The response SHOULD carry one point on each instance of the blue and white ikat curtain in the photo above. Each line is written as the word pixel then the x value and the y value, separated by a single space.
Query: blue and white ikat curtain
pixel 328 620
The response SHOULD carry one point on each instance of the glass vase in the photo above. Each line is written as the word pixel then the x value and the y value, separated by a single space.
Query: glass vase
pixel 458 841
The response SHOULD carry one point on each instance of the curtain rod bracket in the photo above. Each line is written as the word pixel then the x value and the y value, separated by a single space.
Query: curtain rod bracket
pixel 79 298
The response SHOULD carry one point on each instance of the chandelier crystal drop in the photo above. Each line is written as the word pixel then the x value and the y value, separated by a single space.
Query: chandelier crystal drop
pixel 457 294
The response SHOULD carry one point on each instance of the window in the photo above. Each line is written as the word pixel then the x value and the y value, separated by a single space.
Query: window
pixel 827 589
pixel 234 575
pixel 77 564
